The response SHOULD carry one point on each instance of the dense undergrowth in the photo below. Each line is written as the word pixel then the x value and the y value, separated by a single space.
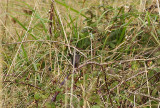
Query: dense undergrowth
pixel 119 48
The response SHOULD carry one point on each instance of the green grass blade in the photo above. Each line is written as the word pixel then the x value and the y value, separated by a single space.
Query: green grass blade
pixel 23 27
pixel 23 49
pixel 157 40
pixel 72 9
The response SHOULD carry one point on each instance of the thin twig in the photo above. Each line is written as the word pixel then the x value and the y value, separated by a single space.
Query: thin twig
pixel 146 71
pixel 46 41
pixel 148 80
pixel 120 61
pixel 23 83
pixel 135 93
pixel 108 91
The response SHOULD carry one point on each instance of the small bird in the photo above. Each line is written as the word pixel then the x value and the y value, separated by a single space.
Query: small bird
pixel 77 59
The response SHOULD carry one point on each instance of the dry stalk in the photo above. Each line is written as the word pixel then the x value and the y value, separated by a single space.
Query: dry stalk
pixel 51 19
pixel 1 62
pixel 65 34
pixel 150 97
pixel 1 76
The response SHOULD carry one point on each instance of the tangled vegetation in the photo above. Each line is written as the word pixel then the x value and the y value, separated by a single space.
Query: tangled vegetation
pixel 118 47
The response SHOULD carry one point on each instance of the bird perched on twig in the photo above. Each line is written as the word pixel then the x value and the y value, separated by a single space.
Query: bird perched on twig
pixel 76 61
